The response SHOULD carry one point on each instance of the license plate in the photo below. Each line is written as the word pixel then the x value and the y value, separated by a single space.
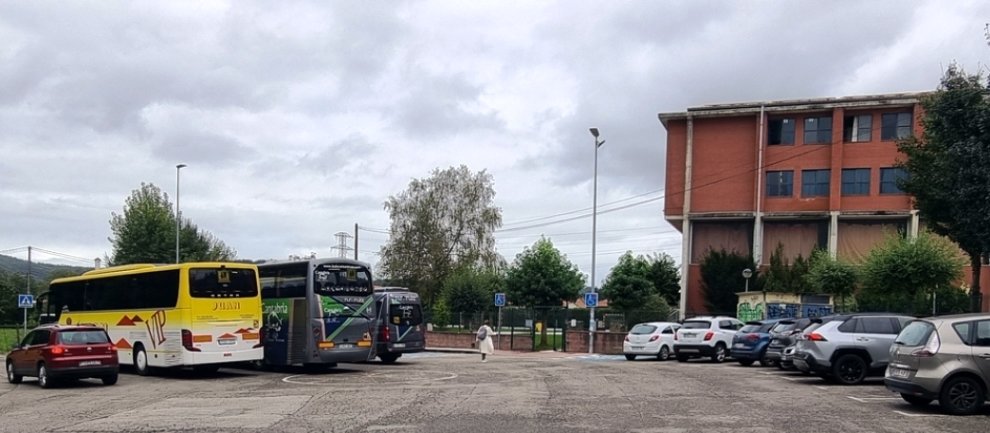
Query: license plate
pixel 345 346
pixel 688 350
pixel 739 345
pixel 88 363
pixel 637 347
pixel 689 335
pixel 900 373
pixel 399 345
pixel 227 341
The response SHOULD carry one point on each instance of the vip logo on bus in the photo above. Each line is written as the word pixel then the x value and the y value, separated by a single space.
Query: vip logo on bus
pixel 226 306
pixel 156 328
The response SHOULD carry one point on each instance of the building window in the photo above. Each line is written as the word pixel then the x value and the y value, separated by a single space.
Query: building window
pixel 889 178
pixel 856 129
pixel 780 183
pixel 818 130
pixel 855 181
pixel 814 183
pixel 895 126
pixel 781 131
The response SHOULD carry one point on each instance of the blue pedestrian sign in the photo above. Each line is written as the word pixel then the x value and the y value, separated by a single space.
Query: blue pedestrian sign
pixel 25 301
pixel 591 300
pixel 500 299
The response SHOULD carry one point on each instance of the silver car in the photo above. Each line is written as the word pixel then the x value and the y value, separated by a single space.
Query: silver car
pixel 847 348
pixel 943 358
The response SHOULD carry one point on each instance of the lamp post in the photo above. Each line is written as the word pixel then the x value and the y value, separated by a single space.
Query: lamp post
pixel 747 273
pixel 178 213
pixel 594 227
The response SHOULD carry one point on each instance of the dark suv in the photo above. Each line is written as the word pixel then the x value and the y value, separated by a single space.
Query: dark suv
pixel 53 352
pixel 847 348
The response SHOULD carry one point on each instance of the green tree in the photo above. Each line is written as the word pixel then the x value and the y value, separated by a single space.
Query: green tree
pixel 721 279
pixel 470 290
pixel 439 224
pixel 829 275
pixel 542 277
pixel 630 288
pixel 145 233
pixel 949 167
pixel 901 273
pixel 666 278
pixel 784 276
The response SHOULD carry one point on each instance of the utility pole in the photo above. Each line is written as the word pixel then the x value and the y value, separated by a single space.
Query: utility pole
pixel 355 241
pixel 29 273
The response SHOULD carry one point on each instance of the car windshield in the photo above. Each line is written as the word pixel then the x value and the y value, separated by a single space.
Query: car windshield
pixel 697 324
pixel 86 336
pixel 915 334
pixel 643 329
pixel 749 328
pixel 784 327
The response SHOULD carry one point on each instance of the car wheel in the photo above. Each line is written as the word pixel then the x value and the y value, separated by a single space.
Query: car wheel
pixel 764 361
pixel 109 379
pixel 43 380
pixel 849 369
pixel 746 362
pixel 915 400
pixel 11 376
pixel 720 354
pixel 962 396
pixel 389 358
pixel 664 353
pixel 141 362
pixel 781 366
pixel 682 358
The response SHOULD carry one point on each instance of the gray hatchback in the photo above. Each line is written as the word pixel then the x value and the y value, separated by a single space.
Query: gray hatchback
pixel 943 358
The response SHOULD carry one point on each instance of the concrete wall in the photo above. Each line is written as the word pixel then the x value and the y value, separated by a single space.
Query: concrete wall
pixel 605 342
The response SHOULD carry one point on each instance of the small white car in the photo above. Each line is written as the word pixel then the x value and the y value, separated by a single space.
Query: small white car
pixel 650 339
pixel 706 337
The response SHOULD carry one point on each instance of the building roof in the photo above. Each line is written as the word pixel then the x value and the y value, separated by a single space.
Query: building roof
pixel 795 105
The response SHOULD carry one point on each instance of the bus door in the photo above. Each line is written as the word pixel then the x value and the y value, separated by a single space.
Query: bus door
pixel 285 314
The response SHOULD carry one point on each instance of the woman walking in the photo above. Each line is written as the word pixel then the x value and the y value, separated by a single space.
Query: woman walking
pixel 484 336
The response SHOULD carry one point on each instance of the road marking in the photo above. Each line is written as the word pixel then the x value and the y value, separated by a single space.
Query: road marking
pixel 869 399
pixel 823 388
pixel 917 414
pixel 292 379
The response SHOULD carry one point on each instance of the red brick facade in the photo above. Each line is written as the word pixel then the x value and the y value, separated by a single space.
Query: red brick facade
pixel 752 176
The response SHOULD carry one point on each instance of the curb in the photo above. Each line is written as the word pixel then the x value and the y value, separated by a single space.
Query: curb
pixel 450 350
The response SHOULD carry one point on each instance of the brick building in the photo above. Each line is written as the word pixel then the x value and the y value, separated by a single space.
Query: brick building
pixel 802 174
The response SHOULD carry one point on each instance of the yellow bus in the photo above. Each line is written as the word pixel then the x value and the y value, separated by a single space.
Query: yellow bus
pixel 201 315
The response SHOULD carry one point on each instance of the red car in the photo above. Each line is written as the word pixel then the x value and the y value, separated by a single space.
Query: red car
pixel 53 352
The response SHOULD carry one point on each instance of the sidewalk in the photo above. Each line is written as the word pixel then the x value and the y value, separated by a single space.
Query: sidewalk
pixel 548 354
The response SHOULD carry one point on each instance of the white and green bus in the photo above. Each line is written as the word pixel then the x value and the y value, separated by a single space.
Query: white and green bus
pixel 317 312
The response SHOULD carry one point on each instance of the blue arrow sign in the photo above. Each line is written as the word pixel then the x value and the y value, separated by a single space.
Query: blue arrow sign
pixel 25 301
pixel 500 299
pixel 591 300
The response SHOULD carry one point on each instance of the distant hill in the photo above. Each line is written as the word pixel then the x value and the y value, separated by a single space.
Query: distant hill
pixel 39 271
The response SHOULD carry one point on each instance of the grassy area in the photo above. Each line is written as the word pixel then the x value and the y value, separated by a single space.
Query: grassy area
pixel 9 337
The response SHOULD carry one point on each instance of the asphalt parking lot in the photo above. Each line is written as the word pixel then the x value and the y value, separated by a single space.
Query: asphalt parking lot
pixel 443 392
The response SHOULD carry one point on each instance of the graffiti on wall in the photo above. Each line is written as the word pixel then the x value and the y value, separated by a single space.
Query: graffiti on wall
pixel 815 310
pixel 781 311
pixel 747 312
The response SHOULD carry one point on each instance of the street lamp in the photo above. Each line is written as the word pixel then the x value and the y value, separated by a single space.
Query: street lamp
pixel 594 227
pixel 178 213
pixel 747 273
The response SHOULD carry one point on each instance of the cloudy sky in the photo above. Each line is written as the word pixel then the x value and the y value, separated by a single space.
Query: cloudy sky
pixel 299 119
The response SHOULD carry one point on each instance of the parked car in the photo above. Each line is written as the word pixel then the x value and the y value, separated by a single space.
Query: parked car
pixel 650 339
pixel 782 336
pixel 53 352
pixel 750 343
pixel 943 358
pixel 848 348
pixel 705 336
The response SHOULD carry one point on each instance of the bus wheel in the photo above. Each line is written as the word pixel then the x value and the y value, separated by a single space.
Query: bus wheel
pixel 388 358
pixel 141 361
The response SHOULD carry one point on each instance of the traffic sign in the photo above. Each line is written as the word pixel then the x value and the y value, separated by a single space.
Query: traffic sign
pixel 25 301
pixel 500 299
pixel 591 300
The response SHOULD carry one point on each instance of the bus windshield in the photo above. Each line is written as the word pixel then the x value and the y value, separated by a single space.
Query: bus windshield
pixel 222 283
pixel 339 280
